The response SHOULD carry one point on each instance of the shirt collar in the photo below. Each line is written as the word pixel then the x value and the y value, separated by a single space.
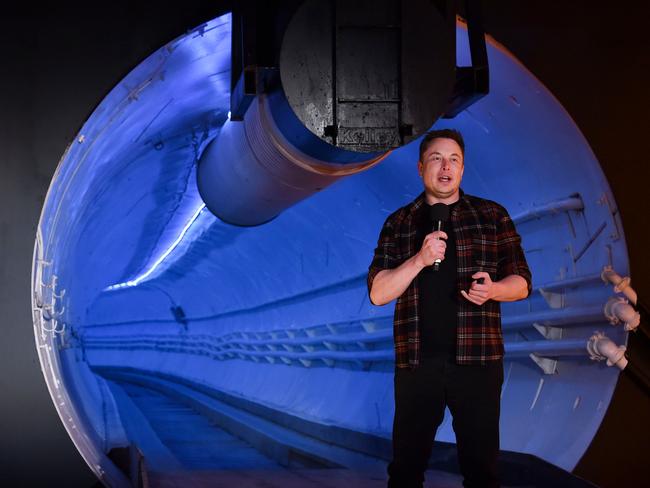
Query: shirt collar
pixel 419 202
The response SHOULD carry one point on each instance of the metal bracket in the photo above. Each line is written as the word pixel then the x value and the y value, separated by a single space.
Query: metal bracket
pixel 472 82
pixel 549 332
pixel 547 365
pixel 553 299
pixel 612 211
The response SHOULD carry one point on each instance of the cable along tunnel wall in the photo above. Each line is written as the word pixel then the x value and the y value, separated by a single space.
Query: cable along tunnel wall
pixel 279 313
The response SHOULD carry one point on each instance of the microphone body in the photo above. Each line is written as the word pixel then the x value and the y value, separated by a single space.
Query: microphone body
pixel 436 263
pixel 438 214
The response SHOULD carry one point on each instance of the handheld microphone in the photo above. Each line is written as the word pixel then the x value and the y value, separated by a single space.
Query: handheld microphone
pixel 438 214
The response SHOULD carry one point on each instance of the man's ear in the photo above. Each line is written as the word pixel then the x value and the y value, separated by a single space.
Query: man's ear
pixel 420 168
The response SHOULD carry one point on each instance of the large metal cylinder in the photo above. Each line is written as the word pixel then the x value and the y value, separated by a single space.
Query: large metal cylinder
pixel 353 81
pixel 250 172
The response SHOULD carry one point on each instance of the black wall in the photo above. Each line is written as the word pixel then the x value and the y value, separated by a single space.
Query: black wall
pixel 58 63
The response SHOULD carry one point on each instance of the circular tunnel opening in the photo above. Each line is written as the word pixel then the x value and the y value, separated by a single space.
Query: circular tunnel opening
pixel 141 295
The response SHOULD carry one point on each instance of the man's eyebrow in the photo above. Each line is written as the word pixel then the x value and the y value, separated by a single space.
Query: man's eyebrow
pixel 438 152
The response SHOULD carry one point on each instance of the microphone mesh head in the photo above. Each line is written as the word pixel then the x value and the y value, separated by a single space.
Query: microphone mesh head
pixel 439 212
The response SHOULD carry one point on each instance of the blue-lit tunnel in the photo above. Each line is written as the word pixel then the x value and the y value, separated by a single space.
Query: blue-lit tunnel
pixel 142 296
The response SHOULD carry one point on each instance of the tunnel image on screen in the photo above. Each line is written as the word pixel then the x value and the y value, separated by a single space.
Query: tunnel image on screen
pixel 177 342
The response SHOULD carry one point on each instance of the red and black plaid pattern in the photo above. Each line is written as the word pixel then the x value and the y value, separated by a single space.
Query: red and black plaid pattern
pixel 486 240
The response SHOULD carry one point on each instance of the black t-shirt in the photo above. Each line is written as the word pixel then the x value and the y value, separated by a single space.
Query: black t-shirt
pixel 438 301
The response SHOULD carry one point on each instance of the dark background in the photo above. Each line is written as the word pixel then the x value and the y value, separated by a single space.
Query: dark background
pixel 58 63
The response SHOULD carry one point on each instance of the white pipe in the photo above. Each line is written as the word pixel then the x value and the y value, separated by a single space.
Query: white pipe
pixel 601 347
pixel 251 172
pixel 620 284
pixel 549 208
pixel 617 309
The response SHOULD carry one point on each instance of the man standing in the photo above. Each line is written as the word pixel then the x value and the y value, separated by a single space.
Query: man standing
pixel 447 322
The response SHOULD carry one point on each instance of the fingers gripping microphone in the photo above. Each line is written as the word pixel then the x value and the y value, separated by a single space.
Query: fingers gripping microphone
pixel 438 214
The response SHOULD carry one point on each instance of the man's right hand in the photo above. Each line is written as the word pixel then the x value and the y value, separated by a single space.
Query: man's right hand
pixel 391 283
pixel 433 248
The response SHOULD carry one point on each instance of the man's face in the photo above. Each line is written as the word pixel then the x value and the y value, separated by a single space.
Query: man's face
pixel 441 168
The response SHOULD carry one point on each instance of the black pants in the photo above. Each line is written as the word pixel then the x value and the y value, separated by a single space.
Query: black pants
pixel 472 394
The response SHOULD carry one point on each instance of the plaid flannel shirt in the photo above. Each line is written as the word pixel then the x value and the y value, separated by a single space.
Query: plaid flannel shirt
pixel 486 240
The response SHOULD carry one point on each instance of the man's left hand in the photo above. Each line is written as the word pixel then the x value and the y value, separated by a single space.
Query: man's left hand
pixel 480 293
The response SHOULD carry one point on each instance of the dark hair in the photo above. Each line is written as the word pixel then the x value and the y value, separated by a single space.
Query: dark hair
pixel 441 133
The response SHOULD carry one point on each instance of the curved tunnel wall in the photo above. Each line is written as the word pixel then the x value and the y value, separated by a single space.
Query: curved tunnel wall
pixel 125 191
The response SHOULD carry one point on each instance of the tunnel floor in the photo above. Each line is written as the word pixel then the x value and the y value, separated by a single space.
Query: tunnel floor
pixel 184 448
pixel 199 444
pixel 211 457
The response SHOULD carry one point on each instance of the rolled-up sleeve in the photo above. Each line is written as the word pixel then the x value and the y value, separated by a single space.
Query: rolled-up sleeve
pixel 386 252
pixel 511 255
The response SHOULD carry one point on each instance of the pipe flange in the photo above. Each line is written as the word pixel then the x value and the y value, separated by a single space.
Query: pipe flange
pixel 601 348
